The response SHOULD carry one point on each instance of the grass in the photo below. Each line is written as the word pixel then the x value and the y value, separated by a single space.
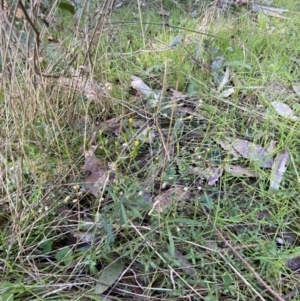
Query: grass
pixel 209 242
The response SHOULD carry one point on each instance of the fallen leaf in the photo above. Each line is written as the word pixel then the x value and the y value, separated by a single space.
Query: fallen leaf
pixel 84 237
pixel 228 147
pixel 251 151
pixel 147 135
pixel 194 13
pixel 98 174
pixel 224 81
pixel 293 263
pixel 185 264
pixel 212 174
pixel 271 147
pixel 264 215
pixel 165 199
pixel 269 10
pixel 89 87
pixel 140 86
pixel 109 276
pixel 163 12
pixel 118 4
pixel 237 170
pixel 296 89
pixel 283 110
pixel 286 238
pixel 217 63
pixel 177 95
pixel 216 173
pixel 226 93
pixel 175 41
pixel 278 169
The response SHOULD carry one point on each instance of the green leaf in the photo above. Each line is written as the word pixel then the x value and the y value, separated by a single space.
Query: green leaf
pixel 171 170
pixel 227 280
pixel 46 246
pixel 109 275
pixel 5 297
pixel 207 201
pixel 8 290
pixel 136 213
pixel 65 255
pixel 123 219
pixel 109 231
pixel 191 88
pixel 171 246
pixel 67 6
pixel 155 69
pixel 53 50
pixel 177 131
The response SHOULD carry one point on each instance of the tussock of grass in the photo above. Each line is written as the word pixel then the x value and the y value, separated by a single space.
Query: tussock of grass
pixel 48 220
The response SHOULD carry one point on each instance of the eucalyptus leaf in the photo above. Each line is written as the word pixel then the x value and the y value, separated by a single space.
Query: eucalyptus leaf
pixel 217 64
pixel 284 110
pixel 278 169
pixel 296 89
pixel 251 151
pixel 215 174
pixel 139 85
pixel 175 41
pixel 228 92
pixel 240 171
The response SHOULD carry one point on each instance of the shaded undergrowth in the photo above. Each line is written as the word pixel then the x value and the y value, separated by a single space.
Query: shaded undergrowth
pixel 160 217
